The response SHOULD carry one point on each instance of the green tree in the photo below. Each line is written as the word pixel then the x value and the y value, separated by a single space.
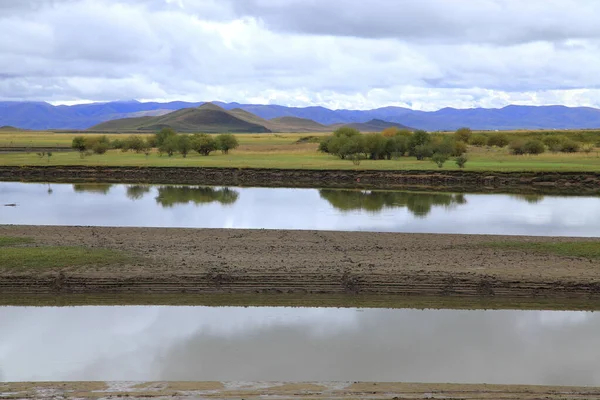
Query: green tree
pixel 461 161
pixel 100 147
pixel 534 147
pixel 79 143
pixel 374 146
pixel 346 131
pixel 184 145
pixel 478 140
pixel 169 146
pixel 226 142
pixel 204 144
pixel 440 159
pixel 420 139
pixel 135 143
pixel 463 134
pixel 498 140
pixel 164 134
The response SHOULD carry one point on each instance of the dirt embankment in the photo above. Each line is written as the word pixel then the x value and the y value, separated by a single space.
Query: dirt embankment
pixel 532 182
pixel 287 390
pixel 213 261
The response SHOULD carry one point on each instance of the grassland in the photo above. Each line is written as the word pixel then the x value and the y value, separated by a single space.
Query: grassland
pixel 20 253
pixel 283 151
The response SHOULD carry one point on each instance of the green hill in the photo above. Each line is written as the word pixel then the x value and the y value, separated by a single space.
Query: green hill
pixel 208 118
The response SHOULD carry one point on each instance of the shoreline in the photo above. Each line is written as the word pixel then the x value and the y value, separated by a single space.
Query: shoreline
pixel 292 266
pixel 582 183
pixel 288 390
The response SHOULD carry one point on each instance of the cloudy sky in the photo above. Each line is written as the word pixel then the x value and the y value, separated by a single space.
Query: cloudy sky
pixel 424 54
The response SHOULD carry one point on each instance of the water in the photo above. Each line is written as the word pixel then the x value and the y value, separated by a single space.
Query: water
pixel 276 208
pixel 299 344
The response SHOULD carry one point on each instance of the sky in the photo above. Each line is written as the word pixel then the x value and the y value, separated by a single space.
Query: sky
pixel 422 54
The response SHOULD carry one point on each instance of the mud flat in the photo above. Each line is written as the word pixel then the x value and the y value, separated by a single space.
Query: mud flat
pixel 474 181
pixel 282 390
pixel 212 262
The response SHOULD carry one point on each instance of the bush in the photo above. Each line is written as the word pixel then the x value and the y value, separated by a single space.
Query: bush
pixel 554 143
pixel 440 159
pixel 390 132
pixel 374 145
pixel 324 144
pixel 204 144
pixel 517 147
pixel 226 142
pixel 570 146
pixel 396 146
pixel 587 148
pixel 423 151
pixel 498 140
pixel 478 140
pixel 534 147
pixel 463 135
pixel 117 144
pixel 351 146
pixel 151 141
pixel 79 143
pixel 460 148
pixel 461 161
pixel 100 147
pixel 135 143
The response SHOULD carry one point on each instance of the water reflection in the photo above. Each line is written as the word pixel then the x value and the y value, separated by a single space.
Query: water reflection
pixel 299 344
pixel 99 188
pixel 136 192
pixel 419 204
pixel 169 196
pixel 281 208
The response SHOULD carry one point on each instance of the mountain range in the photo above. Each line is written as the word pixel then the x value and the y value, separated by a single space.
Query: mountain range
pixel 40 115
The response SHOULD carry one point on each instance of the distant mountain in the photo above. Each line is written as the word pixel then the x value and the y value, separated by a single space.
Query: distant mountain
pixel 206 118
pixel 375 125
pixel 39 115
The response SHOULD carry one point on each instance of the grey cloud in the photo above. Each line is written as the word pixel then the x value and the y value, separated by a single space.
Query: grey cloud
pixel 482 21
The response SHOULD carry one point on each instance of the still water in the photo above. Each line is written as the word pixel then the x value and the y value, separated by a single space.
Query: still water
pixel 280 208
pixel 299 344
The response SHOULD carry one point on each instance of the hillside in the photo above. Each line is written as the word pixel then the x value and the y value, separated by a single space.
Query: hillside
pixel 206 118
pixel 375 125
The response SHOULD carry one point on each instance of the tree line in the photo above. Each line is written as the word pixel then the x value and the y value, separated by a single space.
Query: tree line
pixel 350 144
pixel 166 141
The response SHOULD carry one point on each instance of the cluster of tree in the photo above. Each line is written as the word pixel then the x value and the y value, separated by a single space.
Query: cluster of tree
pixel 419 204
pixel 349 143
pixel 167 141
pixel 534 143
pixel 168 196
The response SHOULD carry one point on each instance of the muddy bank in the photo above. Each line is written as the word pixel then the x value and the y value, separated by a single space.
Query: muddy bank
pixel 230 261
pixel 522 182
pixel 287 390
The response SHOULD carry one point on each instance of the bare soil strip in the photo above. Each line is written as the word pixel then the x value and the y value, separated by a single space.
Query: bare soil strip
pixel 283 390
pixel 173 262
pixel 522 182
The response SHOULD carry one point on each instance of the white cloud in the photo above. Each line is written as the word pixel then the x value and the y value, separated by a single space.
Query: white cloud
pixel 341 54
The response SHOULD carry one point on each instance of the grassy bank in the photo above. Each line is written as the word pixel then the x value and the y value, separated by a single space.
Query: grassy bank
pixel 283 151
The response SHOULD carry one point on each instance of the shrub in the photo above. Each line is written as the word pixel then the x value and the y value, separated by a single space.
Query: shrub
pixel 204 144
pixel 79 143
pixel 423 151
pixel 226 142
pixel 534 147
pixel 461 161
pixel 100 147
pixel 374 146
pixel 151 141
pixel 324 144
pixel 351 146
pixel 463 135
pixel 587 148
pixel 498 140
pixel 554 143
pixel 459 149
pixel 440 159
pixel 478 140
pixel 517 147
pixel 117 144
pixel 570 146
pixel 135 143
pixel 396 146
pixel 390 132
